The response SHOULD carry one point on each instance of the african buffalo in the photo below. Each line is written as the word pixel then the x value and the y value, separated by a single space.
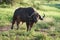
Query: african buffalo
pixel 28 15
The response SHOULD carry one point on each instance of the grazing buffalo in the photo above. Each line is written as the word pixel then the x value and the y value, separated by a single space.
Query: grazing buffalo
pixel 28 15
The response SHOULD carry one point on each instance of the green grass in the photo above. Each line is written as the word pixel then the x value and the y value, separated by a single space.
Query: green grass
pixel 5 15
pixel 52 19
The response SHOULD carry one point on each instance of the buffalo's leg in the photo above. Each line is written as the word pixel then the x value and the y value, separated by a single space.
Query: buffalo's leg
pixel 30 25
pixel 18 22
pixel 12 24
pixel 27 24
pixel 17 25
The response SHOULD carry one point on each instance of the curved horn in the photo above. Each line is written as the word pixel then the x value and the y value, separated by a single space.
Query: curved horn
pixel 44 15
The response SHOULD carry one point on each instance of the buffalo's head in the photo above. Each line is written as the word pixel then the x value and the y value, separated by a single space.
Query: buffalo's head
pixel 41 17
pixel 35 16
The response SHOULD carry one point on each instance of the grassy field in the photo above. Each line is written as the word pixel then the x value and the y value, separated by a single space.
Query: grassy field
pixel 48 29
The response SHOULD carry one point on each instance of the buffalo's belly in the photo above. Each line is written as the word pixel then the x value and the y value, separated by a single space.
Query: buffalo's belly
pixel 24 19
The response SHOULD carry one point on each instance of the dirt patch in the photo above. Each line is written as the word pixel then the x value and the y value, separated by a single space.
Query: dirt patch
pixel 5 28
